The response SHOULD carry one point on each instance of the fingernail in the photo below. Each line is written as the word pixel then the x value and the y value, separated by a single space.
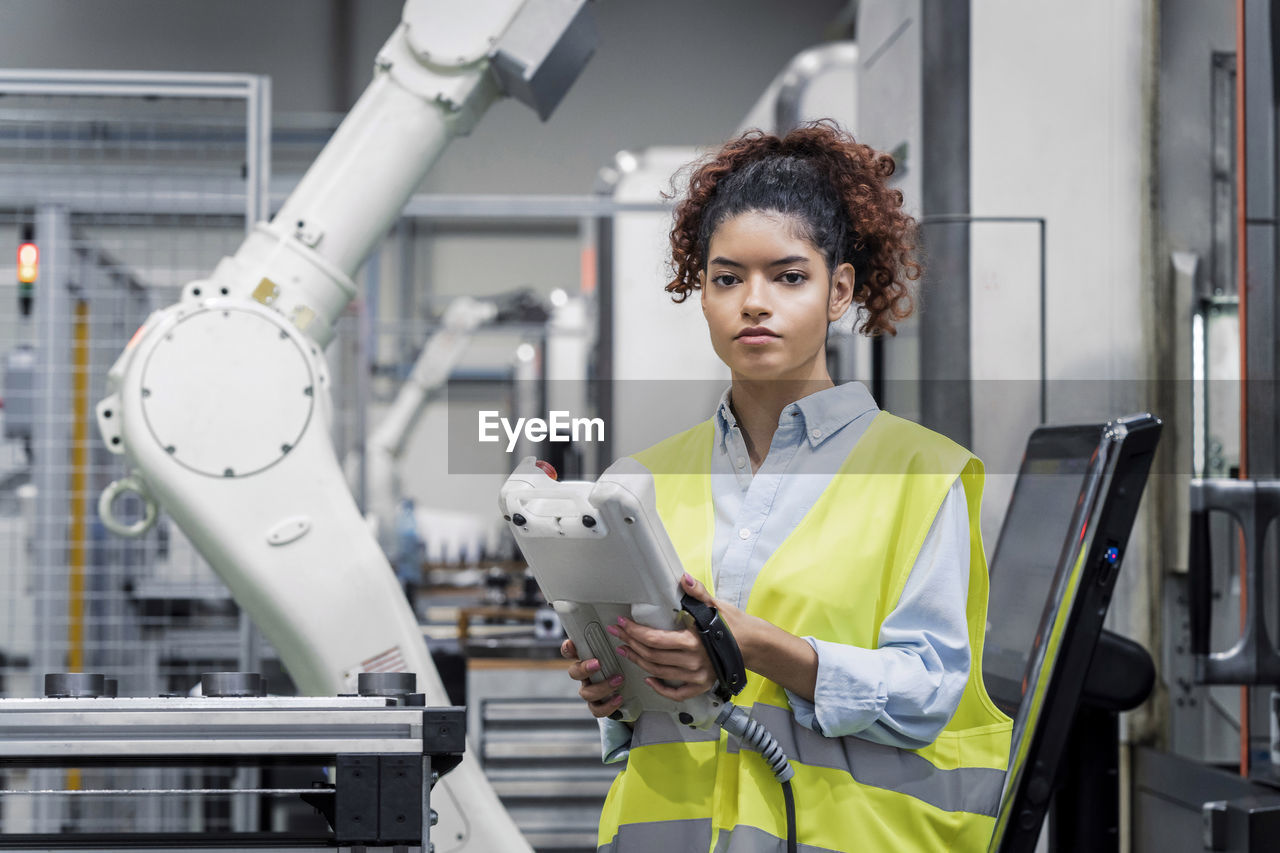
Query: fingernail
pixel 612 630
pixel 622 621
pixel 617 700
pixel 592 665
pixel 688 579
pixel 622 650
pixel 616 680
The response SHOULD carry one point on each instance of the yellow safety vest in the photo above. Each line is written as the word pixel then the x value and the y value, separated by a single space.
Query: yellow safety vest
pixel 836 577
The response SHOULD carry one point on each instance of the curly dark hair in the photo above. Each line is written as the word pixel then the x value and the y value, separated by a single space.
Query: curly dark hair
pixel 835 188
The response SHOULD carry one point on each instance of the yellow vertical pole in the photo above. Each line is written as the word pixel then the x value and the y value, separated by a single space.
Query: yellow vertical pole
pixel 79 470
pixel 76 534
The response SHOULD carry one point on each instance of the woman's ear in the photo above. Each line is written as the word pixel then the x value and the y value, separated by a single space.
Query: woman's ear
pixel 702 289
pixel 840 294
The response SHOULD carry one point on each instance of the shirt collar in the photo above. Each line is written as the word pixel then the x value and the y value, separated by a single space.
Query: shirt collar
pixel 828 411
pixel 724 418
pixel 823 413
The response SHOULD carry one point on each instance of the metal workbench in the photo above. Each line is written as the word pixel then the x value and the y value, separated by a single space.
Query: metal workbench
pixel 377 757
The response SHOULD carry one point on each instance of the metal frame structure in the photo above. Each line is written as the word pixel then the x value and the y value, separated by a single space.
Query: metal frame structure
pixel 254 89
pixel 56 324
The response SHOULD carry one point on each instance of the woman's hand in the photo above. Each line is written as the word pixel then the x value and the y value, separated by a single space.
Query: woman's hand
pixel 679 655
pixel 676 655
pixel 602 698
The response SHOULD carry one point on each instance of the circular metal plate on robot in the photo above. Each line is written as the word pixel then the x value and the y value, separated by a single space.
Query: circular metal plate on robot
pixel 386 683
pixel 227 392
pixel 74 685
pixel 232 684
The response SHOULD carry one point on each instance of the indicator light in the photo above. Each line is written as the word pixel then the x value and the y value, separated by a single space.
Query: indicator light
pixel 28 270
pixel 28 263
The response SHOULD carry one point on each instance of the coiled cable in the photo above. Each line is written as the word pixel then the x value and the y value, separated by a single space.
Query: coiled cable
pixel 736 722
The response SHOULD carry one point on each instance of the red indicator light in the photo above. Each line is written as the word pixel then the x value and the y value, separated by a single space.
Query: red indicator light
pixel 28 263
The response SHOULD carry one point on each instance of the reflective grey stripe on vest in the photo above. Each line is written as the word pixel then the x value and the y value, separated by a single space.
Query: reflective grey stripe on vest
pixel 659 727
pixel 750 839
pixel 967 789
pixel 661 836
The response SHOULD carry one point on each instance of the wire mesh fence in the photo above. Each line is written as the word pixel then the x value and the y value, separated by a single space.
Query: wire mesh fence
pixel 127 197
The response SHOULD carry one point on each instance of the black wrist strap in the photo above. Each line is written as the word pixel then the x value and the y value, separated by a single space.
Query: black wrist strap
pixel 722 648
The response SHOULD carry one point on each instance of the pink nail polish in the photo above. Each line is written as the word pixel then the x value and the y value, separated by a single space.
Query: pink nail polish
pixel 612 630
pixel 616 680
pixel 622 650
pixel 592 665
pixel 622 621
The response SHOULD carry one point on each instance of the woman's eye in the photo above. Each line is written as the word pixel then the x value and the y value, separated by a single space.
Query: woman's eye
pixel 724 280
pixel 793 277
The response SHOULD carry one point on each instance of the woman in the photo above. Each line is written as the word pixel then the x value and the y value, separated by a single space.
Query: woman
pixel 839 543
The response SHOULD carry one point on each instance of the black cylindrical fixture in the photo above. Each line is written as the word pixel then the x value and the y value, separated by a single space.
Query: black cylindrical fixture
pixel 233 684
pixel 386 683
pixel 74 685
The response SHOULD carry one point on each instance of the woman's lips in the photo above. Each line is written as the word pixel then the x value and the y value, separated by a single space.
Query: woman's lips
pixel 756 335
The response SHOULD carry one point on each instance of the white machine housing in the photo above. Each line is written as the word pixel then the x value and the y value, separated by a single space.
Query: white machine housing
pixel 599 551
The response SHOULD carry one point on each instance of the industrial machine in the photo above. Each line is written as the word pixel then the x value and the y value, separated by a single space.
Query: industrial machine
pixel 221 402
pixel 1181 804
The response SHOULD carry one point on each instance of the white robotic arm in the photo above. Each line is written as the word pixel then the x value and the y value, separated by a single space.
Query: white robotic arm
pixel 431 371
pixel 221 402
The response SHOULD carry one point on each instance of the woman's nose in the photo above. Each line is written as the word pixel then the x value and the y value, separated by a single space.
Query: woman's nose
pixel 755 298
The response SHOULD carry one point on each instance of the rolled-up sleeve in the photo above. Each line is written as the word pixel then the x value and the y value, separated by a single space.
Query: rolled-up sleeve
pixel 615 740
pixel 904 692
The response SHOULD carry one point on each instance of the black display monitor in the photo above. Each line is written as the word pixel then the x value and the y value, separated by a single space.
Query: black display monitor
pixel 1052 576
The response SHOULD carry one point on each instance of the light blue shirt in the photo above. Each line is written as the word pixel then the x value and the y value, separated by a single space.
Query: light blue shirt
pixel 902 693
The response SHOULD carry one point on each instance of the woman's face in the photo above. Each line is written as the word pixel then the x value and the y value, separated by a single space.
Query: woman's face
pixel 768 298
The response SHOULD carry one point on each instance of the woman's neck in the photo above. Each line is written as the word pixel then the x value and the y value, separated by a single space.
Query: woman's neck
pixel 758 405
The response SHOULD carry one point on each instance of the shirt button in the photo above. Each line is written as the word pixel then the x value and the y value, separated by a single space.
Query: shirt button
pixel 742 461
pixel 817 433
pixel 744 533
